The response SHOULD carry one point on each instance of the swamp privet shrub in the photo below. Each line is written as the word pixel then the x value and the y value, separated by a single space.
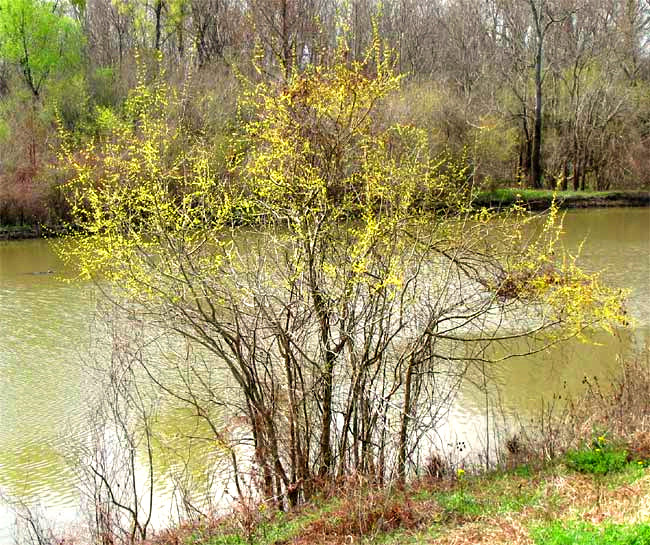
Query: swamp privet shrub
pixel 337 322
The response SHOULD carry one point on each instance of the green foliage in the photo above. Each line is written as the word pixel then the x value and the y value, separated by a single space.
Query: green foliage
pixel 494 143
pixel 39 39
pixel 107 121
pixel 230 539
pixel 583 533
pixel 68 99
pixel 598 458
pixel 104 88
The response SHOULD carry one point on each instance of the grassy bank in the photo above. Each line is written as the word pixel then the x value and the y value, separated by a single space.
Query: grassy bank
pixel 558 503
pixel 28 231
pixel 540 199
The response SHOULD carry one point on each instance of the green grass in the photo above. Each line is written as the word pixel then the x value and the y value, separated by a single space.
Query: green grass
pixel 526 194
pixel 598 458
pixel 582 533
pixel 523 470
pixel 232 539
pixel 507 196
pixel 487 495
pixel 17 228
pixel 265 534
pixel 462 504
pixel 630 473
pixel 597 461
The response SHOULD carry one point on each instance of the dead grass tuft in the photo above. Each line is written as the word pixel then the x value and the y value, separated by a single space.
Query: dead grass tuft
pixel 628 504
pixel 638 446
pixel 509 530
pixel 195 531
pixel 622 408
pixel 377 512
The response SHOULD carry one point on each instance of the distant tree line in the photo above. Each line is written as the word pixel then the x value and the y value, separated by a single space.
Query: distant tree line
pixel 541 93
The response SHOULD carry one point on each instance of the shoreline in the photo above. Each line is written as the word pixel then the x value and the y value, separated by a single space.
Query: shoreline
pixel 539 200
pixel 534 200
pixel 27 232
pixel 19 232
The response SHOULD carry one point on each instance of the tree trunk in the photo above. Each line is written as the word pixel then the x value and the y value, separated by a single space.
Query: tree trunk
pixel 576 165
pixel 583 173
pixel 158 6
pixel 286 52
pixel 406 416
pixel 326 422
pixel 536 156
pixel 526 147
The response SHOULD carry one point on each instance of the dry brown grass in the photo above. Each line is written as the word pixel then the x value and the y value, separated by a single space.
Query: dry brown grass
pixel 368 515
pixel 622 407
pixel 195 531
pixel 495 530
pixel 627 504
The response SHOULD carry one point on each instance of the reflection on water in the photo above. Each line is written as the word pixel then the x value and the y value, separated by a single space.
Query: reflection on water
pixel 44 334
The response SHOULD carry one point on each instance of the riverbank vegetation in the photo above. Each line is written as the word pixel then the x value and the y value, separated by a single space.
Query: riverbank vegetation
pixel 542 199
pixel 535 497
pixel 530 93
